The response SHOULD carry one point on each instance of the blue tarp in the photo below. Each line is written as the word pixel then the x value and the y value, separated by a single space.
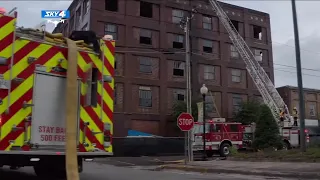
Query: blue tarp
pixel 138 133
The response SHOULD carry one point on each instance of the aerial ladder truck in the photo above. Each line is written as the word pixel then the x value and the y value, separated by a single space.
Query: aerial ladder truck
pixel 270 95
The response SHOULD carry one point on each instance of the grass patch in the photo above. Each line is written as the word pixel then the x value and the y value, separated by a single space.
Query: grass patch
pixel 295 155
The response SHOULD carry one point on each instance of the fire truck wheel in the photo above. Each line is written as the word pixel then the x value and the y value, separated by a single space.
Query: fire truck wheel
pixel 224 149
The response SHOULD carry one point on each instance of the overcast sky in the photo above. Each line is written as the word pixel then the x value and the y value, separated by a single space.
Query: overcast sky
pixel 281 26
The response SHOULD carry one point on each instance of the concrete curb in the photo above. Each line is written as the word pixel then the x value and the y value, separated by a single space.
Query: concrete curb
pixel 292 174
pixel 167 162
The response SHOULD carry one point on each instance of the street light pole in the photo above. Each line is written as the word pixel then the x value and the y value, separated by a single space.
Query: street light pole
pixel 299 78
pixel 204 91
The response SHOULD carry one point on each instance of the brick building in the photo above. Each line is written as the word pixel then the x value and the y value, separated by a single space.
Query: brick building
pixel 290 96
pixel 149 79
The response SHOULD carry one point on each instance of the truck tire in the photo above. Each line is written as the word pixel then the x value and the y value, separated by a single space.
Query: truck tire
pixel 224 150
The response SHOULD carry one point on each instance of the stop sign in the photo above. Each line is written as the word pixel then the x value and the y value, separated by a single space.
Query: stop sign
pixel 185 121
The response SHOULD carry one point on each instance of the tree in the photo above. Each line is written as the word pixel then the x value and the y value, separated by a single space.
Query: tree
pixel 249 112
pixel 181 106
pixel 267 131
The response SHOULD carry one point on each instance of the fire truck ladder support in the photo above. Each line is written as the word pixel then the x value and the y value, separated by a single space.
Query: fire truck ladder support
pixel 71 112
pixel 265 86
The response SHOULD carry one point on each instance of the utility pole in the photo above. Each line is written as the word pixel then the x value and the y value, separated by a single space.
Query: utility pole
pixel 185 24
pixel 299 77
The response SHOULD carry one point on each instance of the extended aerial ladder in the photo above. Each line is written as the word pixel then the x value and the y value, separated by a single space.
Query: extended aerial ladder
pixel 270 95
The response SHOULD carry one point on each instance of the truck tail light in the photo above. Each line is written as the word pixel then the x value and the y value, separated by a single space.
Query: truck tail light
pixel 107 135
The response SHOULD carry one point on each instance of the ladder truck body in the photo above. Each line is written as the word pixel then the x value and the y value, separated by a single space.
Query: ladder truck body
pixel 270 95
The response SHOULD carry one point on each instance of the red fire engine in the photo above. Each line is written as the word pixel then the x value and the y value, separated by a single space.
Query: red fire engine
pixel 220 136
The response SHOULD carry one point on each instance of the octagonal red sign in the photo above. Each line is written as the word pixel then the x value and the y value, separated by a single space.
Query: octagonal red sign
pixel 185 121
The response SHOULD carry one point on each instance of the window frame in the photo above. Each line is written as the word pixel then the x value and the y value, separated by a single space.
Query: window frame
pixel 177 17
pixel 206 22
pixel 233 52
pixel 237 100
pixel 109 32
pixel 314 110
pixel 145 33
pixel 235 76
pixel 207 71
pixel 179 65
pixel 147 93
pixel 145 62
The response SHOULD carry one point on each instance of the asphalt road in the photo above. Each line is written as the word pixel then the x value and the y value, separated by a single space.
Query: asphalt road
pixel 99 171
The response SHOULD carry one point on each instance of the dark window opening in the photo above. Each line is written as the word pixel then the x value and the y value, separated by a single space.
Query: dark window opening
pixel 94 87
pixel 146 9
pixel 145 40
pixel 235 24
pixel 257 32
pixel 207 49
pixel 207 46
pixel 180 97
pixel 178 69
pixel 111 5
pixel 178 72
pixel 177 45
pixel 145 36
pixel 177 42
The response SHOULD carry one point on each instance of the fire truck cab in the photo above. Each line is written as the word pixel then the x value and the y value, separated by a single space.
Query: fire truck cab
pixel 219 135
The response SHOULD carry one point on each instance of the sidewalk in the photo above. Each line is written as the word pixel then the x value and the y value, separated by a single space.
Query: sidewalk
pixel 277 169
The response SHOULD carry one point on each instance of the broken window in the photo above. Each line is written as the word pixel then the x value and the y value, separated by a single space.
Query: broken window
pixel 177 15
pixel 208 72
pixel 177 41
pixel 179 94
pixel 145 96
pixel 207 46
pixel 258 55
pixel 145 36
pixel 178 69
pixel 145 64
pixel 111 29
pixel 236 75
pixel 234 52
pixel 236 102
pixel 206 22
pixel 235 24
pixel 111 5
pixel 146 9
pixel 257 32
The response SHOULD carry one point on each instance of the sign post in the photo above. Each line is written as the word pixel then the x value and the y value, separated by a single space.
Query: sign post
pixel 185 122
